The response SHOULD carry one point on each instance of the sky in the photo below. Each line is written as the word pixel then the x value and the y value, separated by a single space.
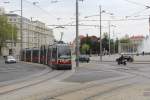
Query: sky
pixel 63 12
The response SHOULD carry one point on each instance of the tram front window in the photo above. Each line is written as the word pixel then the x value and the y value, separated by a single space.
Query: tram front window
pixel 64 53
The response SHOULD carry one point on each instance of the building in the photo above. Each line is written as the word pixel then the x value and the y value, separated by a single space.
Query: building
pixel 73 44
pixel 2 10
pixel 34 33
pixel 137 39
pixel 133 45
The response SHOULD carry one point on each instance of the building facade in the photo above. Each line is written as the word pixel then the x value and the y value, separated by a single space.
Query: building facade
pixel 2 10
pixel 34 34
pixel 133 45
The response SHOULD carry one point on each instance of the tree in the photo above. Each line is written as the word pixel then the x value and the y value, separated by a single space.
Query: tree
pixel 85 48
pixel 6 31
pixel 105 42
pixel 125 40
pixel 93 43
pixel 116 45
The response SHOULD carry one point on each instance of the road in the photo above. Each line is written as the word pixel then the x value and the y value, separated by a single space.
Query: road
pixel 14 72
pixel 109 81
pixel 91 81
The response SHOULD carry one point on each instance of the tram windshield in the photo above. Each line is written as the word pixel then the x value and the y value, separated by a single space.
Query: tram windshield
pixel 64 52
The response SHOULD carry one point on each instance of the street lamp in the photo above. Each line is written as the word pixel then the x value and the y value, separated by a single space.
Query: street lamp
pixel 100 8
pixel 114 36
pixel 100 27
pixel 77 32
pixel 21 31
pixel 109 31
pixel 12 28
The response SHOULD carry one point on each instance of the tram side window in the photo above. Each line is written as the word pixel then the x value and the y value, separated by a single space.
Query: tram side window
pixel 54 53
pixel 49 54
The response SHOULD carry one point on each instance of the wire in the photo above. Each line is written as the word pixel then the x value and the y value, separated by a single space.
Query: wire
pixel 136 19
pixel 34 4
pixel 139 12
pixel 136 3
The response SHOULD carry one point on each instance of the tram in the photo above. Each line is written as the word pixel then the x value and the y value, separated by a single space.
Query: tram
pixel 57 56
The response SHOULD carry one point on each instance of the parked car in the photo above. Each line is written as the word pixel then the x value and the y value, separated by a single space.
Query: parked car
pixel 84 58
pixel 126 57
pixel 10 59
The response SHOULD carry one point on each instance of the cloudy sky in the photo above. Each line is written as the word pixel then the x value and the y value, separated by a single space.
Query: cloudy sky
pixel 63 12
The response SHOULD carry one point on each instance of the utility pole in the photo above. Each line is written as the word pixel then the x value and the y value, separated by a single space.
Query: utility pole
pixel 12 38
pixel 149 25
pixel 109 35
pixel 21 20
pixel 77 34
pixel 100 34
pixel 114 41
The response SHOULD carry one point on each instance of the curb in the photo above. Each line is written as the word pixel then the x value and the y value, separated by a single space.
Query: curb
pixel 144 62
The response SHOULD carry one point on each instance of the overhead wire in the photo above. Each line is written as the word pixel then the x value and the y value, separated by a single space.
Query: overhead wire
pixel 34 4
pixel 136 3
pixel 139 4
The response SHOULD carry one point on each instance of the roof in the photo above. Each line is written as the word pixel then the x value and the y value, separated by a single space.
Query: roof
pixel 138 37
pixel 11 15
pixel 81 36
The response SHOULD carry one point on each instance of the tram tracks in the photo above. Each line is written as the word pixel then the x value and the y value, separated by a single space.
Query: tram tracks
pixel 31 82
pixel 113 88
pixel 90 85
pixel 119 87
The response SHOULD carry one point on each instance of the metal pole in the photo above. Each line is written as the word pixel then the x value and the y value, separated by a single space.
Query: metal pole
pixel 12 38
pixel 109 35
pixel 100 34
pixel 119 46
pixel 77 35
pixel 149 25
pixel 21 20
pixel 114 41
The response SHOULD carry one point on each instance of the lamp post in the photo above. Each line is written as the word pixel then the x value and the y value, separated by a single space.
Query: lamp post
pixel 109 22
pixel 100 28
pixel 12 38
pixel 100 35
pixel 114 38
pixel 21 21
pixel 12 31
pixel 21 31
pixel 149 25
pixel 109 35
pixel 77 33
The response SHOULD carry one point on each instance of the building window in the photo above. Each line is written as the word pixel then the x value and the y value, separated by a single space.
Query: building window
pixel 15 44
pixel 14 19
pixel 10 19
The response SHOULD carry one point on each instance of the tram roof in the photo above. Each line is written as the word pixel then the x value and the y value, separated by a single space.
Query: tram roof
pixel 62 44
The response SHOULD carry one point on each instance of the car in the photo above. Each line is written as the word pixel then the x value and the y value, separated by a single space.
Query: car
pixel 84 58
pixel 10 59
pixel 126 57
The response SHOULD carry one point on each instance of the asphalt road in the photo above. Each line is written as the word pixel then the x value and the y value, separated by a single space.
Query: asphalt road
pixel 20 70
pixel 91 81
pixel 112 82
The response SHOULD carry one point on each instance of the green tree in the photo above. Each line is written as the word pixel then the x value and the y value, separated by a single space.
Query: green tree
pixel 105 42
pixel 6 31
pixel 125 40
pixel 85 48
pixel 116 45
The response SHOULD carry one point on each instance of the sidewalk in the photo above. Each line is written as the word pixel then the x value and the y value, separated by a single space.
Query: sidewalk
pixel 112 58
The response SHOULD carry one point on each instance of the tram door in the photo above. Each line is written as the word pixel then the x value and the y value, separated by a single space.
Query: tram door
pixel 54 55
pixel 49 56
